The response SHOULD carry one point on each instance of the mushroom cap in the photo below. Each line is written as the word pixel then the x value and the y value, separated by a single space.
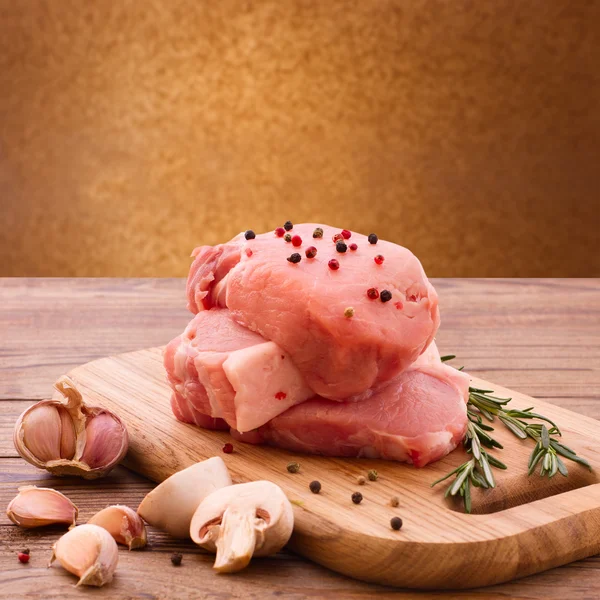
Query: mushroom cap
pixel 263 500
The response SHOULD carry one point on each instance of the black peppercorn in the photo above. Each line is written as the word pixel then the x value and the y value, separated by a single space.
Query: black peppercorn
pixel 293 467
pixel 315 487
pixel 372 238
pixel 357 497
pixel 249 235
pixel 288 226
pixel 385 296
pixel 341 247
pixel 176 558
pixel 294 258
pixel 396 523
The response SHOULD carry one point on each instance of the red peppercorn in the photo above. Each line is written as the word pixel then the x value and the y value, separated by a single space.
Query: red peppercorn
pixel 337 238
pixel 353 247
pixel 399 305
pixel 23 557
pixel 311 252
pixel 228 448
pixel 379 259
pixel 248 252
pixel 296 241
pixel 333 264
pixel 346 234
pixel 280 232
pixel 373 293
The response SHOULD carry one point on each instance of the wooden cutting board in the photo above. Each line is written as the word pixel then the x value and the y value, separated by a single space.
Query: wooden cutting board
pixel 524 525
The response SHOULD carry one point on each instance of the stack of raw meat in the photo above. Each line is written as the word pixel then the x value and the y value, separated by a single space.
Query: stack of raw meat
pixel 317 344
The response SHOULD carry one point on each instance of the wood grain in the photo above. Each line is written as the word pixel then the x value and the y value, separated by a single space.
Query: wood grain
pixel 486 322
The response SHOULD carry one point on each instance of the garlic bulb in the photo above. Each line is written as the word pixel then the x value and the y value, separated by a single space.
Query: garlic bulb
pixel 66 437
pixel 89 552
pixel 124 524
pixel 36 507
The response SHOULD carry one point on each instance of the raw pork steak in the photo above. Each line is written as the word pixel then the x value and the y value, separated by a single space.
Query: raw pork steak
pixel 300 306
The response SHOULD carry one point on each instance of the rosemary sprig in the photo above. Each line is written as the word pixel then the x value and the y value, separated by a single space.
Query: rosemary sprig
pixel 478 470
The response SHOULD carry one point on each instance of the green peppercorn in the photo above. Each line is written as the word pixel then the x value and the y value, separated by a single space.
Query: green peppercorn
pixel 293 467
pixel 287 237
pixel 395 501
pixel 396 523
pixel 318 233
pixel 315 487
pixel 372 475
pixel 357 497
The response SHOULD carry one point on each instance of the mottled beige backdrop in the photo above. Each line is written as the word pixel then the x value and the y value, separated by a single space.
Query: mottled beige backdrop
pixel 133 130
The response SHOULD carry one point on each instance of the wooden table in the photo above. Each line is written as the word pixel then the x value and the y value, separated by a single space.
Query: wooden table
pixel 541 337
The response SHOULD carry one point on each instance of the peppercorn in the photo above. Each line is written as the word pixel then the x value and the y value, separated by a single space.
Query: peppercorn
pixel 287 237
pixel 372 238
pixel 293 467
pixel 249 235
pixel 228 448
pixel 310 252
pixel 357 497
pixel 318 233
pixel 373 293
pixel 294 258
pixel 297 241
pixel 346 234
pixel 349 312
pixel 288 226
pixel 395 501
pixel 361 480
pixel 333 264
pixel 280 232
pixel 396 523
pixel 379 259
pixel 385 296
pixel 176 558
pixel 353 247
pixel 341 247
pixel 372 475
pixel 315 487
pixel 337 238
pixel 23 557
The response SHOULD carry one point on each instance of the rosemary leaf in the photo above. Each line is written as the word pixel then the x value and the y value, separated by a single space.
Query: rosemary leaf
pixel 562 468
pixel 447 357
pixel 545 438
pixel 467 496
pixel 455 487
pixel 494 462
pixel 513 427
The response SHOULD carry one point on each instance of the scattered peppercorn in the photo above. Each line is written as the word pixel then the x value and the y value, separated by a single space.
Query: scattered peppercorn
pixel 176 558
pixel 280 232
pixel 341 247
pixel 287 237
pixel 372 475
pixel 315 487
pixel 318 233
pixel 373 293
pixel 23 557
pixel 249 235
pixel 346 234
pixel 248 252
pixel 357 497
pixel 297 240
pixel 293 467
pixel 395 501
pixel 337 238
pixel 349 312
pixel 379 259
pixel 353 247
pixel 25 551
pixel 228 448
pixel 333 264
pixel 385 296
pixel 372 238
pixel 398 305
pixel 310 252
pixel 294 258
pixel 396 523
pixel 288 226
pixel 361 480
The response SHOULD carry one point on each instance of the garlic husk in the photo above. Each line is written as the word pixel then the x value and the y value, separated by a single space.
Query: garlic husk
pixel 66 437
pixel 89 552
pixel 124 524
pixel 37 507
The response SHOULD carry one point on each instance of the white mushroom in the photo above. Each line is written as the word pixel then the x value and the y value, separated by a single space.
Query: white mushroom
pixel 171 505
pixel 241 521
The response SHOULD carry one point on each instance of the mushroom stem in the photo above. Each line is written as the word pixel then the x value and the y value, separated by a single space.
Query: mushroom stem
pixel 236 540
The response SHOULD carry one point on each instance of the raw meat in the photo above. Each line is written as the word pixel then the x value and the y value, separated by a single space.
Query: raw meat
pixel 418 418
pixel 300 307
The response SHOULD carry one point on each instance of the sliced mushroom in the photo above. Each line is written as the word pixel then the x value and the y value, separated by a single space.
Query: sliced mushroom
pixel 241 521
pixel 171 505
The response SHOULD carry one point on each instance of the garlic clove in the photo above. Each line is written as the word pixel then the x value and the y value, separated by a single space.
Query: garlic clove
pixel 89 552
pixel 124 524
pixel 104 440
pixel 67 434
pixel 41 432
pixel 36 507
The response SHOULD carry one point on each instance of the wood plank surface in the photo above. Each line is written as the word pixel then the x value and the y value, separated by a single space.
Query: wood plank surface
pixel 540 337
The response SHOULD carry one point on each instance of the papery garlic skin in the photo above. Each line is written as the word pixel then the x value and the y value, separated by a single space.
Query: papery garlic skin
pixel 37 507
pixel 124 524
pixel 89 552
pixel 66 437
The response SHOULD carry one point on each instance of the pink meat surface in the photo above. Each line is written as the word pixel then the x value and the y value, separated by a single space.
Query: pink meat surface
pixel 224 374
pixel 300 307
pixel 418 418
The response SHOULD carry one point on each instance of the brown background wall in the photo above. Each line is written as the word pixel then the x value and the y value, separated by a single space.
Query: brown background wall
pixel 131 131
